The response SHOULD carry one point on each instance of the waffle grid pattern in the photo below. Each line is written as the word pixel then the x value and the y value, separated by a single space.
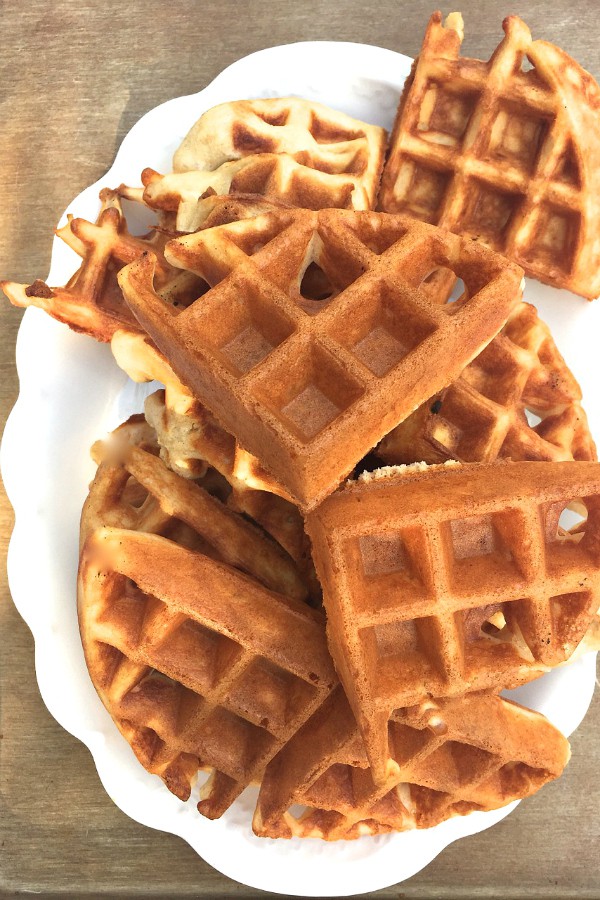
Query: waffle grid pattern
pixel 276 176
pixel 487 150
pixel 452 758
pixel 191 440
pixel 91 301
pixel 232 708
pixel 179 508
pixel 299 379
pixel 203 679
pixel 467 586
pixel 517 399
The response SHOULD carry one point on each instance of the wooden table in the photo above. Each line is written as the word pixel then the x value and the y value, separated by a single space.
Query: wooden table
pixel 74 78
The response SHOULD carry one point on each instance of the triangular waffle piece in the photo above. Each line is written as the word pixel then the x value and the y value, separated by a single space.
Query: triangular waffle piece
pixel 451 757
pixel 293 149
pixel 316 338
pixel 451 579
pixel 517 399
pixel 91 302
pixel 508 156
pixel 191 656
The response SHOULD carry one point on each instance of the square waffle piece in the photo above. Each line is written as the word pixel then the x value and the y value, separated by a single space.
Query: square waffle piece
pixel 505 151
pixel 517 399
pixel 456 578
pixel 185 640
pixel 318 333
pixel 451 757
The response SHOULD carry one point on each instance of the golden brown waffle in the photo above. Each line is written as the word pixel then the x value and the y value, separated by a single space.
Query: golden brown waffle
pixel 451 579
pixel 199 668
pixel 517 399
pixel 91 301
pixel 173 501
pixel 315 339
pixel 191 656
pixel 296 150
pixel 503 154
pixel 452 757
pixel 190 438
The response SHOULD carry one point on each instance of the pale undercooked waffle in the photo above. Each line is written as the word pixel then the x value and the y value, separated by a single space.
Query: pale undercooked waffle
pixel 188 434
pixel 315 338
pixel 192 657
pixel 276 176
pixel 293 149
pixel 91 301
pixel 505 151
pixel 451 757
pixel 451 579
pixel 517 399
pixel 187 197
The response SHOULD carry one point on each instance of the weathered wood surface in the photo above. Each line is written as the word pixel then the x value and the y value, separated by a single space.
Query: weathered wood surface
pixel 74 77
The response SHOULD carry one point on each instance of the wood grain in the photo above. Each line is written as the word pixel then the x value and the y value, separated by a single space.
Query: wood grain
pixel 74 77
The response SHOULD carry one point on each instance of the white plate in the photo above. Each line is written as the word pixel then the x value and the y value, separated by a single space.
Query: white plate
pixel 72 393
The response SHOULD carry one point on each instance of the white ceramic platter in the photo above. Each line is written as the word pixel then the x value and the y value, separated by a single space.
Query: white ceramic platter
pixel 71 393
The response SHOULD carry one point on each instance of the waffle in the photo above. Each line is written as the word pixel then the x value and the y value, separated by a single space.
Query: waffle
pixel 315 339
pixel 518 399
pixel 189 198
pixel 238 542
pixel 446 580
pixel 451 757
pixel 296 150
pixel 507 156
pixel 197 669
pixel 272 175
pixel 190 439
pixel 91 302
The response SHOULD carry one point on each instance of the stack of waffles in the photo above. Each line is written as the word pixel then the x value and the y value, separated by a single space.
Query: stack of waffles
pixel 364 502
